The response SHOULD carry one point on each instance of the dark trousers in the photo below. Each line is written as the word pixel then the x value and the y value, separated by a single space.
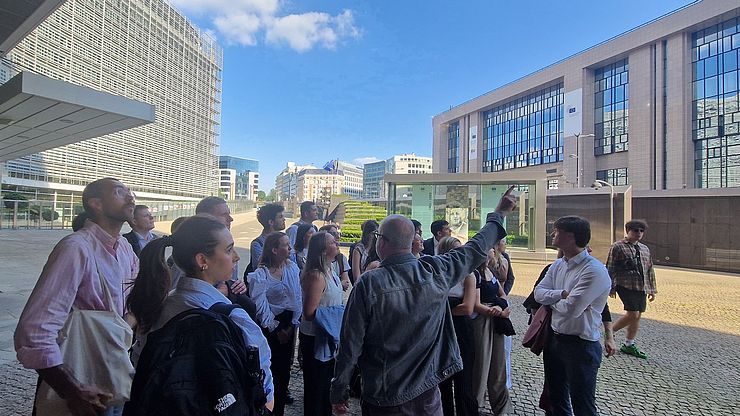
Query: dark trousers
pixel 428 403
pixel 464 398
pixel 317 377
pixel 280 362
pixel 571 366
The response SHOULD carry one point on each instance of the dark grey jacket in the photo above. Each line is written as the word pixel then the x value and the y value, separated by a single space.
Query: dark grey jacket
pixel 398 325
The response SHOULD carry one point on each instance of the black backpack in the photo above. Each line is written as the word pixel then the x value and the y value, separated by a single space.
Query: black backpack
pixel 198 364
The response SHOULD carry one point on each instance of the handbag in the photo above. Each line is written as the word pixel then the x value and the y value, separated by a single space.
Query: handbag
pixel 539 332
pixel 94 346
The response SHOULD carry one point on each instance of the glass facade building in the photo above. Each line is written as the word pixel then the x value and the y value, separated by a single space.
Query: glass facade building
pixel 715 113
pixel 239 164
pixel 527 131
pixel 616 177
pixel 453 147
pixel 611 108
pixel 147 51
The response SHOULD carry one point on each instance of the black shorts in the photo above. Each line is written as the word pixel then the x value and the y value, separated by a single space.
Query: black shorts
pixel 633 300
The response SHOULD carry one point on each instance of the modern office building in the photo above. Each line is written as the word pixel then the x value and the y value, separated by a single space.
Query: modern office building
pixel 239 177
pixel 655 108
pixel 372 181
pixel 407 163
pixel 143 50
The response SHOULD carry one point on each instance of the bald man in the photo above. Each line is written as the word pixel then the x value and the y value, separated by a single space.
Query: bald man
pixel 397 326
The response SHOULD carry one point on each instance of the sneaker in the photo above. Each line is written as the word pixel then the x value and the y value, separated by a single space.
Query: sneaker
pixel 633 350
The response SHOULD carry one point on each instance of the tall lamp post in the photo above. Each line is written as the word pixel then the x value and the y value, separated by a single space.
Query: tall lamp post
pixel 577 156
pixel 598 184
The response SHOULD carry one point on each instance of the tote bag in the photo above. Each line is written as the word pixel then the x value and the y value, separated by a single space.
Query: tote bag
pixel 94 346
pixel 539 331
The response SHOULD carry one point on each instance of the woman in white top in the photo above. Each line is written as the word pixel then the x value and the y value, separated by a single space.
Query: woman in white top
pixel 276 290
pixel 321 289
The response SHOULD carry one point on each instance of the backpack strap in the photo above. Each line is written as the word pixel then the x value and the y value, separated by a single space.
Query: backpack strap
pixel 223 308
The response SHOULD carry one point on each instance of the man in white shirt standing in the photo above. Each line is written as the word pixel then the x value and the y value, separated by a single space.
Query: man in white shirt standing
pixel 576 287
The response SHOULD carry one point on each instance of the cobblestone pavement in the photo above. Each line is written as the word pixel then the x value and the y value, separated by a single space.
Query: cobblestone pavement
pixel 691 334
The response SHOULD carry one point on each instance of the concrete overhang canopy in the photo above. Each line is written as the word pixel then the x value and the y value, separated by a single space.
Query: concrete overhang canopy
pixel 19 17
pixel 38 113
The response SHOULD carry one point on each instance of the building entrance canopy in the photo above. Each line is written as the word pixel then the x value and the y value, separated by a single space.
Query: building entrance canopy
pixel 39 113
pixel 464 200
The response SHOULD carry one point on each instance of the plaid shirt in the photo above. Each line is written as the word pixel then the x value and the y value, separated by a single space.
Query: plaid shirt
pixel 626 271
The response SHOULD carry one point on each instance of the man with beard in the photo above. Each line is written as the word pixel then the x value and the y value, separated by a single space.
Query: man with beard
pixel 72 278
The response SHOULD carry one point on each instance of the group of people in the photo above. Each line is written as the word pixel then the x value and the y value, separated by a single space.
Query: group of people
pixel 426 324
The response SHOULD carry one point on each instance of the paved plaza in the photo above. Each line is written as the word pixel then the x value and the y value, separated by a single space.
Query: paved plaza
pixel 691 334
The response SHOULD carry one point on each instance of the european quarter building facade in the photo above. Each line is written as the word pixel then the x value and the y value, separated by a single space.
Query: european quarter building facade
pixel 655 108
pixel 144 50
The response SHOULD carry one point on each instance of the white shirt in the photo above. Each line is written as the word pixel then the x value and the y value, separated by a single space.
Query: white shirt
pixel 272 296
pixel 587 282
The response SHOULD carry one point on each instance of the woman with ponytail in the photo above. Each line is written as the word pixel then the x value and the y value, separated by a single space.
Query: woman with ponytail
pixel 202 247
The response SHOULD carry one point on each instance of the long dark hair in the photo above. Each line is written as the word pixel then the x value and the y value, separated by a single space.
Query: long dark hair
pixel 315 258
pixel 272 241
pixel 300 235
pixel 372 255
pixel 368 227
pixel 197 234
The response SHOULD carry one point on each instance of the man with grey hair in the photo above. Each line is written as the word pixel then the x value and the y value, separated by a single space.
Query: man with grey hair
pixel 397 325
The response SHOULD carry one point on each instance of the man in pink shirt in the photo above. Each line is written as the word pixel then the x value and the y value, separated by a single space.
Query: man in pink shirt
pixel 70 279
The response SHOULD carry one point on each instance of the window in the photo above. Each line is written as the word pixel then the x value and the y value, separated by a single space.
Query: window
pixel 611 108
pixel 615 177
pixel 524 132
pixel 453 145
pixel 715 113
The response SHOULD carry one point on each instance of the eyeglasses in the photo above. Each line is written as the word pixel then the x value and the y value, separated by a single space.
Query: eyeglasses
pixel 377 234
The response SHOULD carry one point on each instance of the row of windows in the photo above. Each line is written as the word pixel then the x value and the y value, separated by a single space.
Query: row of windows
pixel 715 115
pixel 611 108
pixel 615 177
pixel 453 144
pixel 524 132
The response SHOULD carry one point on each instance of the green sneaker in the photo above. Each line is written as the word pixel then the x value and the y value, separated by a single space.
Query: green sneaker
pixel 633 350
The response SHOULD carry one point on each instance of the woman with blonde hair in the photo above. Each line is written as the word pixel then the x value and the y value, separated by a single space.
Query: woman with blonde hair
pixel 322 308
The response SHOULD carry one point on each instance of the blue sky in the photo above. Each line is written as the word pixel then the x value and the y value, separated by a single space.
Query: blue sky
pixel 310 81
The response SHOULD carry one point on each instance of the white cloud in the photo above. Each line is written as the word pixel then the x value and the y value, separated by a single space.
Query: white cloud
pixel 246 22
pixel 239 28
pixel 304 31
pixel 363 160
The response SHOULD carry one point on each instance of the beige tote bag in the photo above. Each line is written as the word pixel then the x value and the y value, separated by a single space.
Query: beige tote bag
pixel 94 346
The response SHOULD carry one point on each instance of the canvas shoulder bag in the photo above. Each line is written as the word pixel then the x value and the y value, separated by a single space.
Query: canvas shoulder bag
pixel 95 348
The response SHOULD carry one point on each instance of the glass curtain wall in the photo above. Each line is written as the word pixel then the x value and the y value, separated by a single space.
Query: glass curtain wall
pixel 524 132
pixel 464 206
pixel 611 105
pixel 453 146
pixel 716 118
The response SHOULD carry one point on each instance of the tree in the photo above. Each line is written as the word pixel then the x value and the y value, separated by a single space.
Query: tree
pixel 261 196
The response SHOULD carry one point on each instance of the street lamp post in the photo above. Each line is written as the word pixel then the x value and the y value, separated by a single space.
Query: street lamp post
pixel 598 184
pixel 577 156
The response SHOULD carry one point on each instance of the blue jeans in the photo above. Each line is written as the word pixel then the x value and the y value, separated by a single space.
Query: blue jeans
pixel 571 366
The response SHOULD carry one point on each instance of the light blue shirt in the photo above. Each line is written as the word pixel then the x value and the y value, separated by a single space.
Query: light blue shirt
pixel 587 282
pixel 195 293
